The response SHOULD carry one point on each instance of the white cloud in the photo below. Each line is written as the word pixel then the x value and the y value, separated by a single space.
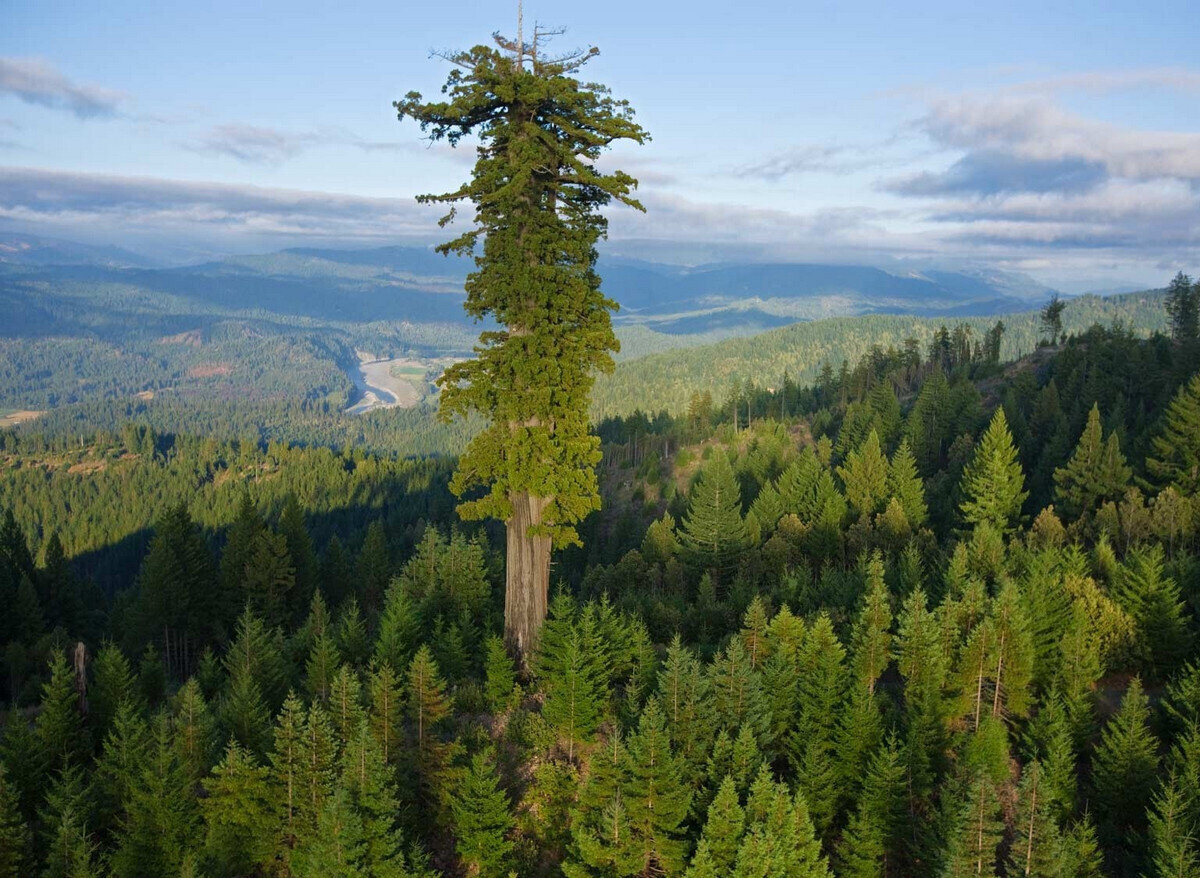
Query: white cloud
pixel 38 82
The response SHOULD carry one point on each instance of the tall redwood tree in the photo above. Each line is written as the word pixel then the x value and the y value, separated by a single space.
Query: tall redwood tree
pixel 537 196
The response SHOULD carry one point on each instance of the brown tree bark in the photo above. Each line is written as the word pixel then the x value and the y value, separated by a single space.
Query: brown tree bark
pixel 527 575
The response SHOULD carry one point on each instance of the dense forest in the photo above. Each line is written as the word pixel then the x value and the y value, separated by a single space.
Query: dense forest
pixel 930 613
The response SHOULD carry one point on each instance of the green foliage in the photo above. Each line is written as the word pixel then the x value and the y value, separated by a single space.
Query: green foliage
pixel 1124 777
pixel 713 532
pixel 1176 450
pixel 482 820
pixel 238 814
pixel 537 203
pixel 993 483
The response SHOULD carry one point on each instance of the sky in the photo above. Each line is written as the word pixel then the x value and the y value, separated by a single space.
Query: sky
pixel 1057 139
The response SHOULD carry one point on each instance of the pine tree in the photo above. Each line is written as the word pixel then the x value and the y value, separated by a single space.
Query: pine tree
pixel 993 483
pixel 656 799
pixel 336 847
pixel 871 640
pixel 1153 602
pixel 163 818
pixel 813 744
pixel 865 475
pixel 1124 775
pixel 713 532
pixel 368 782
pixel 1037 843
pixel 240 829
pixel 866 845
pixel 386 709
pixel 399 628
pixel 1096 471
pixel 112 683
pixel 1176 450
pixel 14 833
pixel 300 551
pixel 1183 308
pixel 482 820
pixel 977 831
pixel 428 708
pixel 59 725
pixel 1174 851
pixel 239 546
pixel 345 705
pixel 269 578
pixel 569 666
pixel 905 485
pixel 722 835
pixel 500 678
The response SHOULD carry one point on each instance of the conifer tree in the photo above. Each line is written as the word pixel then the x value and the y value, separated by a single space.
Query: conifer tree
pixel 59 725
pixel 993 483
pixel 602 840
pixel 320 666
pixel 537 195
pixel 1176 450
pixel 244 712
pixel 386 709
pixel 865 474
pixel 1096 471
pixel 255 654
pixel 399 628
pixel 1183 308
pixel 737 698
pixel 374 569
pixel 126 749
pixel 70 852
pixel 977 831
pixel 1037 844
pixel 866 846
pixel 813 743
pixel 288 769
pixel 482 820
pixel 569 666
pixel 345 705
pixel 300 551
pixel 656 799
pixel 1153 602
pixel 240 829
pixel 239 546
pixel 683 692
pixel 500 678
pixel 336 847
pixel 269 577
pixel 905 485
pixel 163 818
pixel 1124 776
pixel 368 783
pixel 14 833
pixel 722 835
pixel 779 839
pixel 713 532
pixel 193 729
pixel 112 683
pixel 1174 850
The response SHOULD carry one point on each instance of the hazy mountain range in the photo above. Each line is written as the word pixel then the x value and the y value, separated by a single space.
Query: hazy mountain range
pixel 419 286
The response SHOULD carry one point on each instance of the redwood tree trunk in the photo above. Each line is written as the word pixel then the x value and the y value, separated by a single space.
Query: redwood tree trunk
pixel 527 575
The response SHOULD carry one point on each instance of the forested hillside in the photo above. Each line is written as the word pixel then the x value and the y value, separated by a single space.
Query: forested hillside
pixel 801 350
pixel 932 614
